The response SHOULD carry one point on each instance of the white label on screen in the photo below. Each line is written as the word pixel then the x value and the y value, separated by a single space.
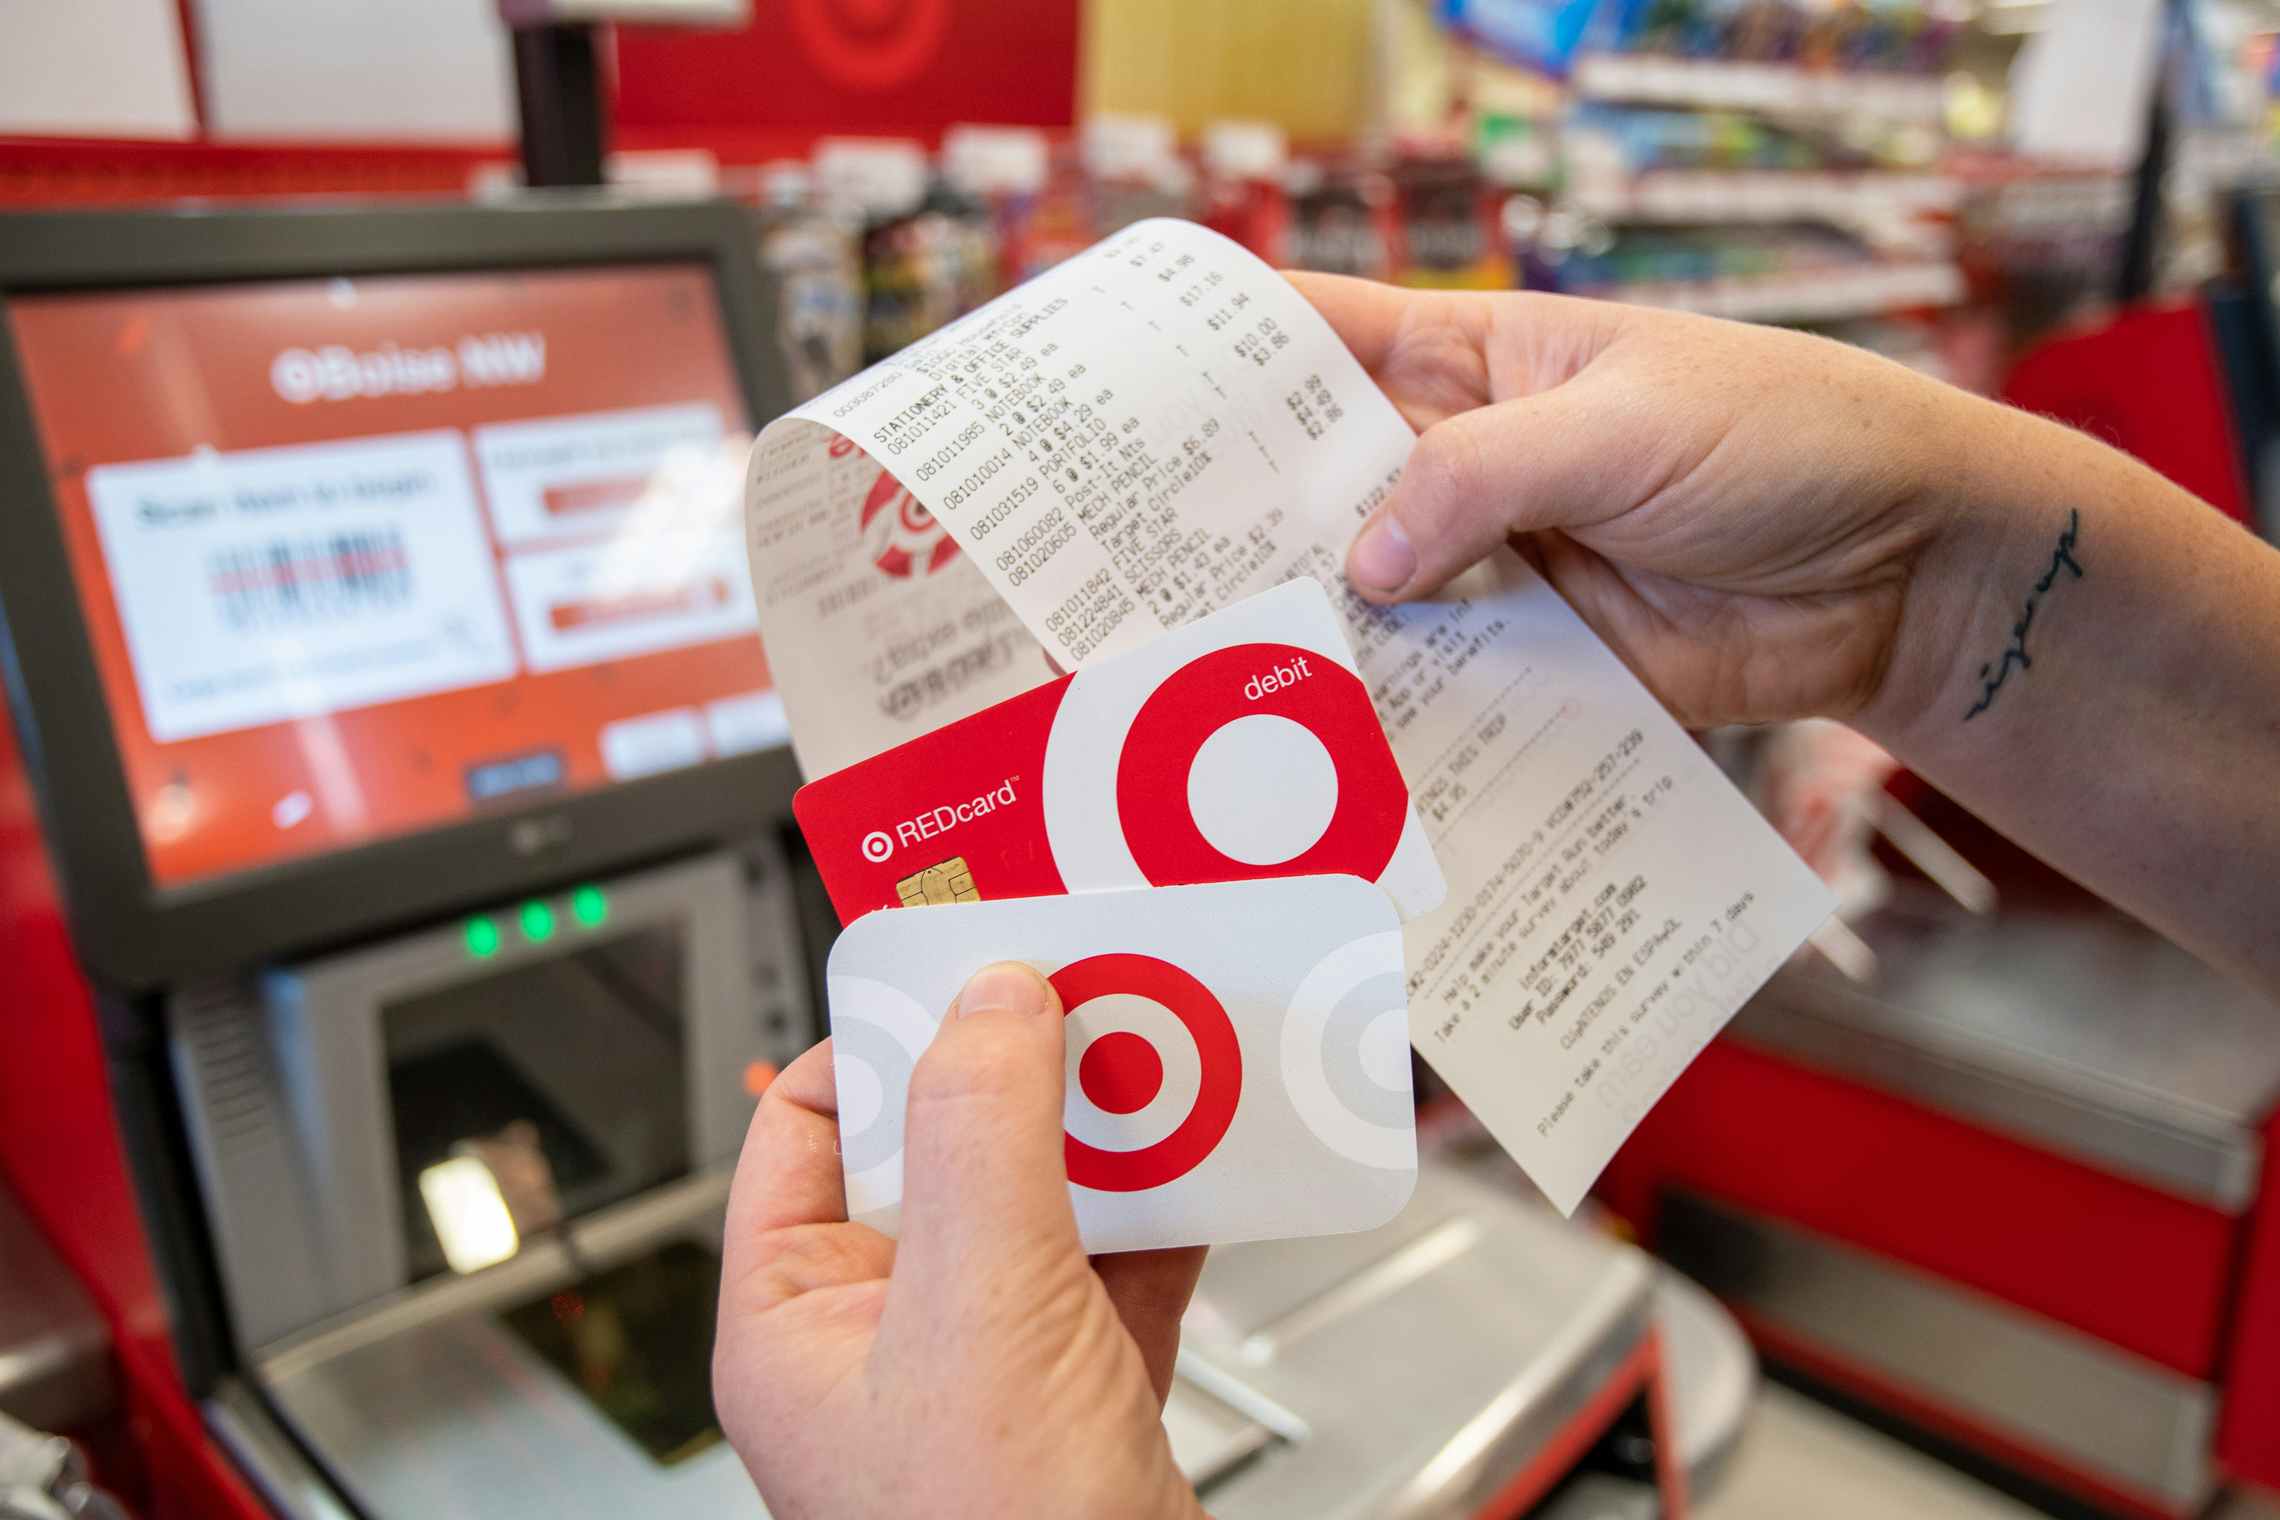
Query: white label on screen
pixel 739 725
pixel 662 741
pixel 582 477
pixel 273 584
pixel 593 602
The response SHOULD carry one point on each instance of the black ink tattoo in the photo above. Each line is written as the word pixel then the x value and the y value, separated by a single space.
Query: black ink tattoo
pixel 1993 674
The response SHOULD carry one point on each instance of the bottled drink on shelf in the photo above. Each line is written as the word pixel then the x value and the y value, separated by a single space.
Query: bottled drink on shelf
pixel 811 252
pixel 1133 171
pixel 911 260
pixel 1243 197
pixel 1008 172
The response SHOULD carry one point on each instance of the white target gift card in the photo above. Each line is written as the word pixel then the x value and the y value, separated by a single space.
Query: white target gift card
pixel 1239 745
pixel 1238 1053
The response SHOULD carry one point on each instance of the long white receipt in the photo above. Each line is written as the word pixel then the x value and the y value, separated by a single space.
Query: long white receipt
pixel 1161 426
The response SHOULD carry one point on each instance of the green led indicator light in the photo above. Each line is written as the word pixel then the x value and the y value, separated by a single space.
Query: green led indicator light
pixel 482 938
pixel 589 906
pixel 537 922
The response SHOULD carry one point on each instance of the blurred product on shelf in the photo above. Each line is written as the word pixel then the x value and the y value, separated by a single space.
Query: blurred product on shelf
pixel 1451 235
pixel 1134 171
pixel 1810 89
pixel 2048 242
pixel 1341 218
pixel 1895 37
pixel 812 253
pixel 967 231
pixel 1763 161
pixel 1243 194
pixel 1610 139
pixel 1788 274
pixel 1518 151
pixel 1008 171
pixel 911 261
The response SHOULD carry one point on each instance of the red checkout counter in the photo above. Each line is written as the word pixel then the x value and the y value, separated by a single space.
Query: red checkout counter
pixel 400 917
pixel 2012 1192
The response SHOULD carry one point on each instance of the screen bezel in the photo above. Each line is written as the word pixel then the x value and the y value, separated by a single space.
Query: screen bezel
pixel 136 934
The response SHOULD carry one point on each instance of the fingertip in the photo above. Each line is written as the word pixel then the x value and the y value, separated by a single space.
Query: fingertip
pixel 1383 561
pixel 1366 315
pixel 1005 987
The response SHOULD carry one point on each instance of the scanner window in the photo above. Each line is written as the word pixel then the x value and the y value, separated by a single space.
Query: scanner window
pixel 565 1079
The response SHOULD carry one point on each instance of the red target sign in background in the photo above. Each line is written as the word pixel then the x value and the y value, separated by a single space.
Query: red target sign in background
pixel 871 44
pixel 801 67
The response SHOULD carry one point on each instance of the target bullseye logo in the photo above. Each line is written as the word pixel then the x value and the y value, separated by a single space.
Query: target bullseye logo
pixel 1154 1051
pixel 1120 1072
pixel 877 846
pixel 871 44
pixel 901 537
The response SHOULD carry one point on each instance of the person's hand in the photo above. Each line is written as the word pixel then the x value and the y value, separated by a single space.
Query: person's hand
pixel 1738 511
pixel 979 1367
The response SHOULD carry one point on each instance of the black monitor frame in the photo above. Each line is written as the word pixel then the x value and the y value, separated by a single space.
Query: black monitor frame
pixel 138 936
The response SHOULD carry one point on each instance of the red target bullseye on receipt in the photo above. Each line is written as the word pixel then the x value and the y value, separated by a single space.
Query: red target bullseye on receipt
pixel 1237 1054
pixel 899 535
pixel 1240 746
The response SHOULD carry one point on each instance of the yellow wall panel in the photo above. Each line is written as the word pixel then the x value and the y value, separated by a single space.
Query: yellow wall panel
pixel 1306 65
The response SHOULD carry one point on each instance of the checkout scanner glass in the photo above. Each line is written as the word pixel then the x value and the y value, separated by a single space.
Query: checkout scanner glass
pixel 564 1079
pixel 638 1340
pixel 360 558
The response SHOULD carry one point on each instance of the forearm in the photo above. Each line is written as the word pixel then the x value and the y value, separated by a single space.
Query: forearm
pixel 2089 658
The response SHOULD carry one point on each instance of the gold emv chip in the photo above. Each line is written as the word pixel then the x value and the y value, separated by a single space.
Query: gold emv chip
pixel 947 881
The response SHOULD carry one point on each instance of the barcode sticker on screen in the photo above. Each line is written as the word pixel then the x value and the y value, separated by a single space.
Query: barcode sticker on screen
pixel 312 580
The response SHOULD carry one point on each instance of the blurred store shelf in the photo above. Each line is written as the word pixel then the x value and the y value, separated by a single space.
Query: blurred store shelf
pixel 1822 296
pixel 1768 195
pixel 1651 79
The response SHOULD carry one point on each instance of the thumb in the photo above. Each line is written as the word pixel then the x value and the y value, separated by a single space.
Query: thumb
pixel 985 1185
pixel 1556 459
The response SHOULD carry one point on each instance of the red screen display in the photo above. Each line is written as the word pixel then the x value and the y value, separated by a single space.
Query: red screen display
pixel 360 558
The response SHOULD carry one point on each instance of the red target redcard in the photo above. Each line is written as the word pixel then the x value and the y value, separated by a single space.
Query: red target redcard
pixel 1238 1053
pixel 1241 745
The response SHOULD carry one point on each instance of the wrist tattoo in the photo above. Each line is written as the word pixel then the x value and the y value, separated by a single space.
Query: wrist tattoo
pixel 1995 672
